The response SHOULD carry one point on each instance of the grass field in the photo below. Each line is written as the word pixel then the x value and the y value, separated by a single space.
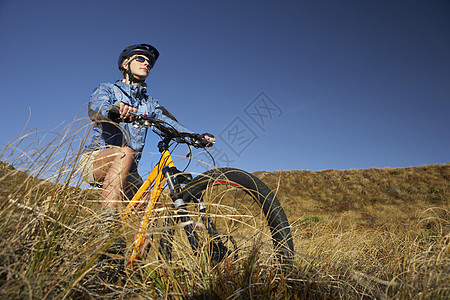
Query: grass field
pixel 358 234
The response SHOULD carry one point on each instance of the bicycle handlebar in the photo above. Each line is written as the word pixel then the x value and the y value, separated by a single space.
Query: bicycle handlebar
pixel 140 120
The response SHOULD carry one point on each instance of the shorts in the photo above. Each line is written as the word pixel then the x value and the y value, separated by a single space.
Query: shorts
pixel 86 169
pixel 86 166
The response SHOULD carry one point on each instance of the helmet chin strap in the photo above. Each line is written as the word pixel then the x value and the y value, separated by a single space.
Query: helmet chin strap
pixel 132 79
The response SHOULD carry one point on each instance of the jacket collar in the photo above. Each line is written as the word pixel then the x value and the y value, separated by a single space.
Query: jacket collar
pixel 133 90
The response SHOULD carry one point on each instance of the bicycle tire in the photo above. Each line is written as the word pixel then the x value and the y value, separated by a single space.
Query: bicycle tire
pixel 268 210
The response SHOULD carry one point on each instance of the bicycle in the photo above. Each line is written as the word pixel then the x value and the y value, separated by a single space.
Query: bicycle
pixel 224 211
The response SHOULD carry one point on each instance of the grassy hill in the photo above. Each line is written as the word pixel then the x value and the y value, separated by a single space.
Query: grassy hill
pixel 376 233
pixel 363 198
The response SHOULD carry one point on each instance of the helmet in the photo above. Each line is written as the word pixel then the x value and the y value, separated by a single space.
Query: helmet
pixel 144 49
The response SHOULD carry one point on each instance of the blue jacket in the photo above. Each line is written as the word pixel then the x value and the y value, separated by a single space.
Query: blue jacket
pixel 123 134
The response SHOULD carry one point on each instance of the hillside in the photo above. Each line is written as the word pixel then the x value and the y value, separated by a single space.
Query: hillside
pixel 369 197
pixel 17 184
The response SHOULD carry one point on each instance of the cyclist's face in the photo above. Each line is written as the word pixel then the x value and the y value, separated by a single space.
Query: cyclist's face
pixel 140 67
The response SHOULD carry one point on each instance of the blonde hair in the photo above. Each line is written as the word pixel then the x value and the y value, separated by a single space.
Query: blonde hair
pixel 126 62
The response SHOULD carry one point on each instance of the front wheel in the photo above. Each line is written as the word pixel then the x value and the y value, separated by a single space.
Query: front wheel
pixel 239 214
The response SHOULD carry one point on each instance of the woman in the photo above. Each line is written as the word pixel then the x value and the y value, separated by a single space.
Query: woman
pixel 111 157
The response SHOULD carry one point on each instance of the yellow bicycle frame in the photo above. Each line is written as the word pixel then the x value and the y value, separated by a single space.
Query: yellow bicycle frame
pixel 157 179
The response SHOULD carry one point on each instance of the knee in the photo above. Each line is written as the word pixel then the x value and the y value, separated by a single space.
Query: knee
pixel 126 154
pixel 127 151
pixel 123 153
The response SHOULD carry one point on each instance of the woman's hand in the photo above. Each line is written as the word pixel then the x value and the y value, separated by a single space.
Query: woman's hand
pixel 210 138
pixel 124 111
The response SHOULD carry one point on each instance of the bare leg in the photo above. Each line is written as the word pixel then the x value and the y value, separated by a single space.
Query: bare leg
pixel 111 167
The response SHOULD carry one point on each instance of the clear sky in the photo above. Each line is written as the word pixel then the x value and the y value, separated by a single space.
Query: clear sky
pixel 284 85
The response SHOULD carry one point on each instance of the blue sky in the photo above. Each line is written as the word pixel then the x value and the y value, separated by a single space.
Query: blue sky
pixel 284 85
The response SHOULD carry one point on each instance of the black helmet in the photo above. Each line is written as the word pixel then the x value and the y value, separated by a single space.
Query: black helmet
pixel 144 49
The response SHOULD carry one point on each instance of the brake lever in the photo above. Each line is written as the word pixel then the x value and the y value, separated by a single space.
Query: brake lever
pixel 141 120
pixel 189 153
pixel 201 142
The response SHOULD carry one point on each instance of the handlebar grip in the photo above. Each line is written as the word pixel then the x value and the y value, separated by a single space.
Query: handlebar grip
pixel 114 112
pixel 199 140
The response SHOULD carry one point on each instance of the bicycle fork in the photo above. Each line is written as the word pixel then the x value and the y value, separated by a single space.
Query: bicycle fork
pixel 219 250
pixel 182 214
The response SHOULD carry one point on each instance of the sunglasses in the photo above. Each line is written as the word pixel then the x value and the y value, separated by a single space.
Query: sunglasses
pixel 142 59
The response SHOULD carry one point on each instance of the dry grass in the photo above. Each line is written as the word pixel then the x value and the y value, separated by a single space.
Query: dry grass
pixel 378 233
pixel 387 228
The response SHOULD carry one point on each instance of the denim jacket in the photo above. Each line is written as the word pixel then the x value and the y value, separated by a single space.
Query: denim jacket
pixel 123 134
